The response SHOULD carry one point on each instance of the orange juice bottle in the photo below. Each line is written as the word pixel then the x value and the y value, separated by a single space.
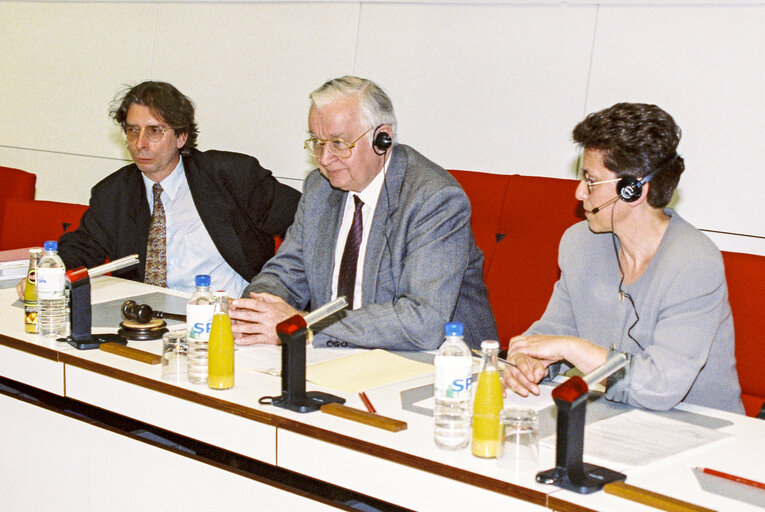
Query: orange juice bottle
pixel 487 404
pixel 220 369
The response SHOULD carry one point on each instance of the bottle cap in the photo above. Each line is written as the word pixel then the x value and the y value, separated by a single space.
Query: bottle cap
pixel 221 293
pixel 454 329
pixel 202 280
pixel 51 245
pixel 489 345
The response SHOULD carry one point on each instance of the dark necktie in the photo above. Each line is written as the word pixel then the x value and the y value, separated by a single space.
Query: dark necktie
pixel 156 255
pixel 346 279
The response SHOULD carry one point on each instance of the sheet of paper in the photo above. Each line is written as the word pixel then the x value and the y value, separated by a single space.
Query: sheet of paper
pixel 639 437
pixel 268 358
pixel 365 370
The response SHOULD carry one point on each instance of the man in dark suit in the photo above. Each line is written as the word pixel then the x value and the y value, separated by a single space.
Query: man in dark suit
pixel 221 210
pixel 405 220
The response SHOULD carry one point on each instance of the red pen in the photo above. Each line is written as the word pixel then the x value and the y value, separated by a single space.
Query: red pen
pixel 734 478
pixel 367 403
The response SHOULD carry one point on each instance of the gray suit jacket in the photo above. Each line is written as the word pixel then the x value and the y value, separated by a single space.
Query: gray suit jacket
pixel 421 270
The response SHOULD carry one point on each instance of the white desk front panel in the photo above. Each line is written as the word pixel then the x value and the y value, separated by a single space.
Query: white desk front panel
pixel 33 370
pixel 53 462
pixel 384 479
pixel 247 437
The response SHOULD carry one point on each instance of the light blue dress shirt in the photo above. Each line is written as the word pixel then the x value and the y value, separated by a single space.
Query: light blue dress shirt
pixel 190 250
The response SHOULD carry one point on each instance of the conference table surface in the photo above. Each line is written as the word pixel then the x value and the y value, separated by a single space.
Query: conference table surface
pixel 405 468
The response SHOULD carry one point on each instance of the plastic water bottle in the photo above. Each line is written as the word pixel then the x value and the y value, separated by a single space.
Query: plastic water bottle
pixel 452 390
pixel 51 293
pixel 199 315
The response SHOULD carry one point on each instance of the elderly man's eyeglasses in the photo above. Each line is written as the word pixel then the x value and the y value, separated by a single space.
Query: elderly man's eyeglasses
pixel 587 181
pixel 337 147
pixel 153 133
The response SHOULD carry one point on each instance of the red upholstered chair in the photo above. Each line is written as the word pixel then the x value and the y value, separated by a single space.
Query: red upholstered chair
pixel 745 274
pixel 524 269
pixel 486 192
pixel 16 184
pixel 28 223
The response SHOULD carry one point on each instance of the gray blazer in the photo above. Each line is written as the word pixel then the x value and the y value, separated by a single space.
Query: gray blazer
pixel 421 270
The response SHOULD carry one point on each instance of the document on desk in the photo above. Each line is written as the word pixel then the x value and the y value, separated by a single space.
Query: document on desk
pixel 637 438
pixel 268 358
pixel 365 370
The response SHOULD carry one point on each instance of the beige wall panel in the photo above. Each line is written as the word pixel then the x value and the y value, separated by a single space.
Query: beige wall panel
pixel 61 65
pixel 492 88
pixel 60 176
pixel 250 68
pixel 706 66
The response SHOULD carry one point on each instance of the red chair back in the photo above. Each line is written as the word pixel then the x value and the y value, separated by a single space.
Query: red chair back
pixel 28 223
pixel 486 193
pixel 524 269
pixel 16 184
pixel 745 274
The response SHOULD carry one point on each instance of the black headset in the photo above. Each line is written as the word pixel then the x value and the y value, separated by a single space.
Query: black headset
pixel 629 189
pixel 381 141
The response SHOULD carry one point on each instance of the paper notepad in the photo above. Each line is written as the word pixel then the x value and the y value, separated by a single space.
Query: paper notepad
pixel 637 438
pixel 365 370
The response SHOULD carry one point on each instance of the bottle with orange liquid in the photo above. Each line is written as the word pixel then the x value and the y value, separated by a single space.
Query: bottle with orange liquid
pixel 220 369
pixel 487 404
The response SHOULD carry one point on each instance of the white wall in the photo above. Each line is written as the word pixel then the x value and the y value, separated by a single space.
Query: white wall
pixel 494 86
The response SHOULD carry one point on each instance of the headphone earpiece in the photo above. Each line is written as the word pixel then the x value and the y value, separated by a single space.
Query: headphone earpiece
pixel 629 189
pixel 381 142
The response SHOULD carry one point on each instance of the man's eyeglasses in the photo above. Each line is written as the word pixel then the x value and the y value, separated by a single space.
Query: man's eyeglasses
pixel 337 147
pixel 587 181
pixel 153 133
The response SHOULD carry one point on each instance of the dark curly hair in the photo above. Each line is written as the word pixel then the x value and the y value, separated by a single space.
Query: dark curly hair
pixel 166 102
pixel 636 139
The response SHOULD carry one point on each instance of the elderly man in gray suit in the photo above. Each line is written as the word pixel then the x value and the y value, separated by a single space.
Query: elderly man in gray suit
pixel 378 223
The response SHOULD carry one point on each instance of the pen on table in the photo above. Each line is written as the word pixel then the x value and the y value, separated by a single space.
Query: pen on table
pixel 367 403
pixel 734 478
pixel 480 354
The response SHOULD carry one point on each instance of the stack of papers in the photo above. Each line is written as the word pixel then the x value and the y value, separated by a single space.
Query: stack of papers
pixel 637 438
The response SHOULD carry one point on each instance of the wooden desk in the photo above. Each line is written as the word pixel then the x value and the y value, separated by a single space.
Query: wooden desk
pixel 115 472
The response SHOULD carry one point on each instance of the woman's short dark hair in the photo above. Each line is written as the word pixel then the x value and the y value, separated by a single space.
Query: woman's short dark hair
pixel 166 102
pixel 636 139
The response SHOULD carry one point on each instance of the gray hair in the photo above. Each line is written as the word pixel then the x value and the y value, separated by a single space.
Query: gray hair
pixel 376 107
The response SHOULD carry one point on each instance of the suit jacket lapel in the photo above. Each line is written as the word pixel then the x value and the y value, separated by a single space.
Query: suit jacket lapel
pixel 213 213
pixel 382 227
pixel 139 215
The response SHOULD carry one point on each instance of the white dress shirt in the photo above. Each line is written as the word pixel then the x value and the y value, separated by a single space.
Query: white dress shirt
pixel 369 196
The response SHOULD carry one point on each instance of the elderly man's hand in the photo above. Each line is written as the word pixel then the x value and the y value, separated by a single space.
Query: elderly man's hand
pixel 254 320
